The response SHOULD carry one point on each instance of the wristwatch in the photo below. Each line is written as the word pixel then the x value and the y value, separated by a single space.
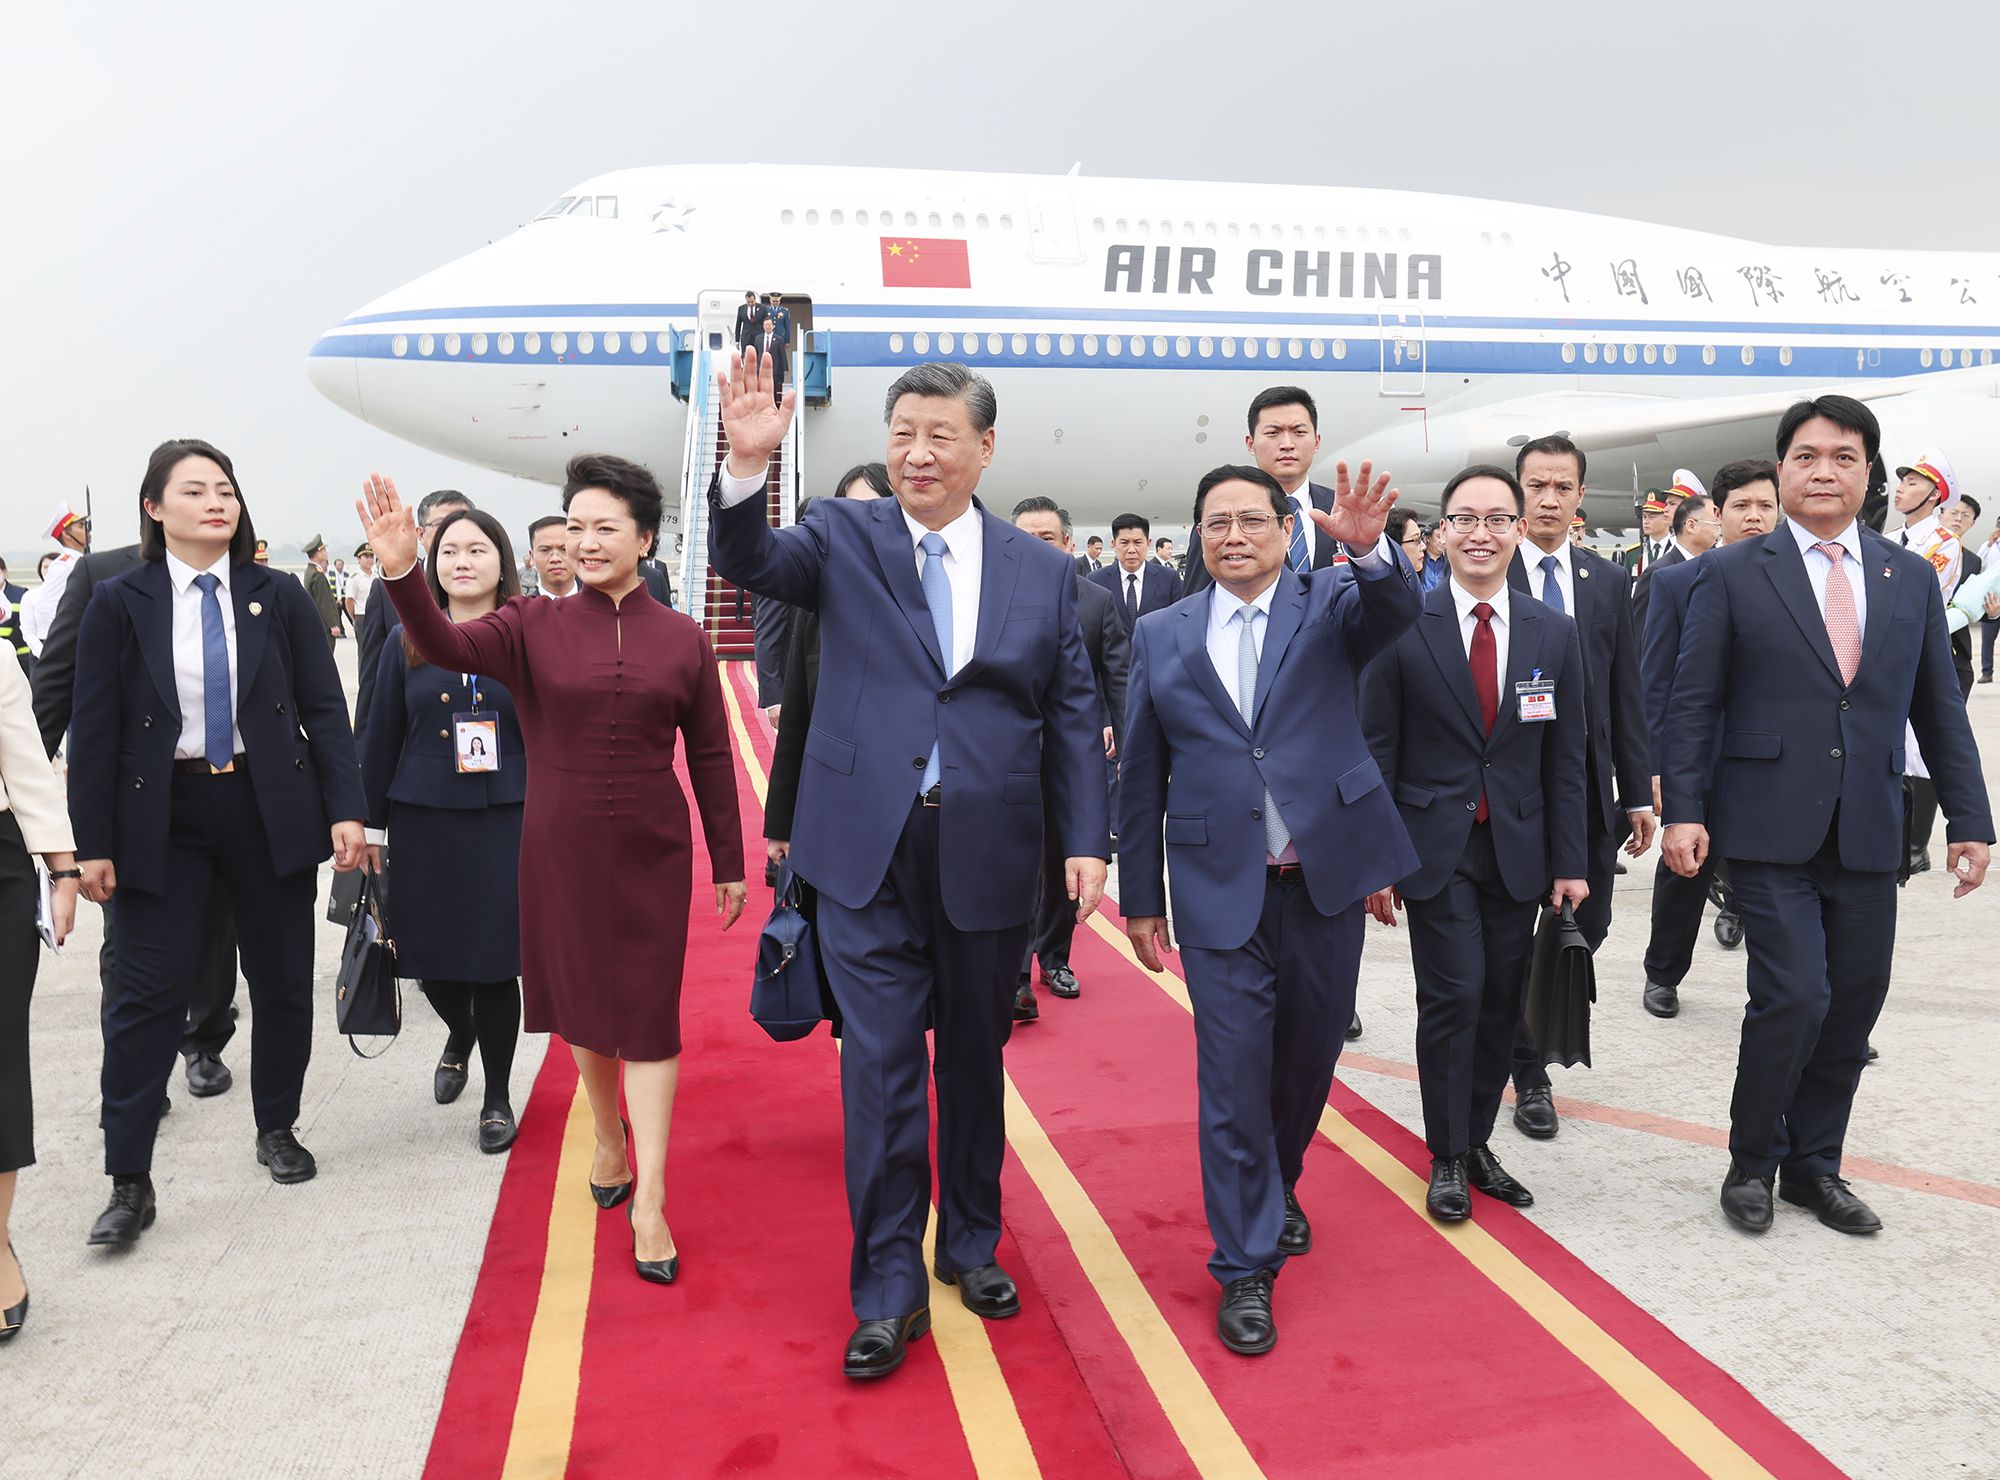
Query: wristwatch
pixel 65 873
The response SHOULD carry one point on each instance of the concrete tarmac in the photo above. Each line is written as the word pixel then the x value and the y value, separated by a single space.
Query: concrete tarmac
pixel 260 1330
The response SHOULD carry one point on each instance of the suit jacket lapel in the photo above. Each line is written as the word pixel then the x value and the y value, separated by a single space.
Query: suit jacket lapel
pixel 1439 629
pixel 1288 609
pixel 1524 656
pixel 899 568
pixel 1321 498
pixel 1786 568
pixel 150 597
pixel 999 569
pixel 1192 621
pixel 1517 568
pixel 1882 593
pixel 249 585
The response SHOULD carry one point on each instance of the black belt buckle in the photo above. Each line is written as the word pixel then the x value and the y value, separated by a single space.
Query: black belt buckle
pixel 934 797
pixel 1288 873
pixel 196 766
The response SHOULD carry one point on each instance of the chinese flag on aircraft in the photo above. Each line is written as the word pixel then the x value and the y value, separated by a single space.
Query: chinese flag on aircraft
pixel 924 262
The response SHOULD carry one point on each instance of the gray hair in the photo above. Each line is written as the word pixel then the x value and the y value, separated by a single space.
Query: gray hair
pixel 947 378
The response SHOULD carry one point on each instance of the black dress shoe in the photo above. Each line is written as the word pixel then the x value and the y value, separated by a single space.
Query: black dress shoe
pixel 1244 1321
pixel 877 1348
pixel 130 1214
pixel 497 1129
pixel 14 1317
pixel 1834 1201
pixel 1026 1008
pixel 1746 1200
pixel 1920 861
pixel 287 1159
pixel 1661 1000
pixel 608 1198
pixel 1062 981
pixel 448 1083
pixel 1354 1028
pixel 1447 1198
pixel 1483 1170
pixel 1871 1056
pixel 1298 1235
pixel 653 1271
pixel 207 1075
pixel 1535 1113
pixel 986 1291
pixel 1618 866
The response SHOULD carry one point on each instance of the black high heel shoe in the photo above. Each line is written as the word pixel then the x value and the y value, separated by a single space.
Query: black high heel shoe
pixel 14 1317
pixel 657 1271
pixel 608 1198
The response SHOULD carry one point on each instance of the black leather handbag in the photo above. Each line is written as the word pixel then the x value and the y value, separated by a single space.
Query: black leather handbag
pixel 367 1002
pixel 785 994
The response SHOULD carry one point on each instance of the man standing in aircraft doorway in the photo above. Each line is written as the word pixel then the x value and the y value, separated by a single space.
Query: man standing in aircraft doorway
pixel 1595 594
pixel 747 316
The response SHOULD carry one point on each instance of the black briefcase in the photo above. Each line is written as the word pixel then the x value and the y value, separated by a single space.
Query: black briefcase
pixel 367 1001
pixel 1562 983
pixel 785 994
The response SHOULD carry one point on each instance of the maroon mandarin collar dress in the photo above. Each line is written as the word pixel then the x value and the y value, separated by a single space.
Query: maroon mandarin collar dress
pixel 607 856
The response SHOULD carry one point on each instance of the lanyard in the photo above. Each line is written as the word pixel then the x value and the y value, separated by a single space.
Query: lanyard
pixel 472 682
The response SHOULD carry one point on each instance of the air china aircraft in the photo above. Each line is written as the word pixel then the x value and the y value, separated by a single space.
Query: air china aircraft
pixel 1125 325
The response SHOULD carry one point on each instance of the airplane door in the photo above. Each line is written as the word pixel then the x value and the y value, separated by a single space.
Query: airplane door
pixel 715 316
pixel 1405 358
pixel 1052 234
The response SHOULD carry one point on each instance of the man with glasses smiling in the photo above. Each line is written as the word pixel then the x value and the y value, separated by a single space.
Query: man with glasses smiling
pixel 375 622
pixel 1244 762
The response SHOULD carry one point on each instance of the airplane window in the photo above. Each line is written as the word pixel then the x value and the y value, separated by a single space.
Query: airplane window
pixel 611 343
pixel 532 342
pixel 1020 344
pixel 586 342
pixel 1145 226
pixel 1965 358
pixel 1295 349
pixel 1207 347
pixel 945 343
pixel 506 344
pixel 921 343
pixel 1159 345
pixel 785 218
pixel 1318 348
pixel 1113 345
pixel 425 344
pixel 1924 357
pixel 980 220
pixel 860 218
pixel 1485 238
pixel 1299 233
pixel 1340 233
pixel 400 345
pixel 1652 352
pixel 1785 354
pixel 895 344
pixel 935 219
pixel 1208 228
pixel 559 342
pixel 1631 354
pixel 479 344
pixel 1006 223
pixel 1041 344
pixel 1235 230
pixel 451 344
pixel 1271 349
pixel 1090 344
pixel 1986 357
pixel 1097 225
pixel 1182 347
pixel 1340 349
pixel 1319 233
pixel 585 206
pixel 1166 228
pixel 1708 354
pixel 910 218
pixel 958 221
pixel 664 343
pixel 1067 344
pixel 1187 228
pixel 1256 232
pixel 971 345
pixel 555 208
pixel 836 218
pixel 993 343
pixel 1138 347
pixel 1749 354
pixel 1228 349
pixel 1569 354
pixel 607 208
pixel 1506 238
pixel 1668 353
pixel 1590 354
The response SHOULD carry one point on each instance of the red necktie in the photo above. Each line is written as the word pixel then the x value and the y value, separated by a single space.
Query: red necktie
pixel 1485 657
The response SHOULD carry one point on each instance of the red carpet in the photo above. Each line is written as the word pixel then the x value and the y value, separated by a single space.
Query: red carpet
pixel 1399 1356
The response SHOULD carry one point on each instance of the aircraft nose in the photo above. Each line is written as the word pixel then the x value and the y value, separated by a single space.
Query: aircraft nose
pixel 336 374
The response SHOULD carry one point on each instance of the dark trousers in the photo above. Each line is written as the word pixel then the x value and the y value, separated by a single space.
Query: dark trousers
pixel 20 956
pixel 1469 944
pixel 1055 913
pixel 1269 1021
pixel 1989 628
pixel 215 841
pixel 1593 918
pixel 211 1019
pixel 894 964
pixel 1820 939
pixel 1678 904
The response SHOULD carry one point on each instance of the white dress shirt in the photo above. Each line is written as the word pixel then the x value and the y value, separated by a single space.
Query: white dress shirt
pixel 574 586
pixel 359 584
pixel 1817 566
pixel 1468 624
pixel 1531 556
pixel 189 675
pixel 965 541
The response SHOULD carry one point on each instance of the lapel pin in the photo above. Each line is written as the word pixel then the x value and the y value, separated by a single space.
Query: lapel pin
pixel 1888 571
pixel 256 608
pixel 1583 572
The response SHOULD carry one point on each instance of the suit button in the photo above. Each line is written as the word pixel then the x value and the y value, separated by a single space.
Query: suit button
pixel 281 709
pixel 1255 814
pixel 299 764
pixel 138 783
pixel 1257 755
pixel 148 721
pixel 1486 763
pixel 918 763
pixel 944 696
pixel 1472 806
pixel 444 698
pixel 1843 705
pixel 444 734
pixel 1835 752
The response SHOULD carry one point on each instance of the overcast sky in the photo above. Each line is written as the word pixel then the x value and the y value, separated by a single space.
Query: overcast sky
pixel 192 199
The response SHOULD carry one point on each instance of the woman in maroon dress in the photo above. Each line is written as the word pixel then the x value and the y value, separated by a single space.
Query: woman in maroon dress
pixel 601 682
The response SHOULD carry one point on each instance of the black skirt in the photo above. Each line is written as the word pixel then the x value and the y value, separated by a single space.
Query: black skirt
pixel 20 958
pixel 455 892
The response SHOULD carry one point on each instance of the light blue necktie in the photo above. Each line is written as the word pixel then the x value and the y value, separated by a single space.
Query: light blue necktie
pixel 937 596
pixel 1276 834
pixel 217 747
pixel 1552 591
pixel 1298 557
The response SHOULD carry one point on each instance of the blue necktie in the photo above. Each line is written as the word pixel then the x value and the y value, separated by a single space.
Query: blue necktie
pixel 937 596
pixel 1276 834
pixel 217 747
pixel 1552 591
pixel 1297 557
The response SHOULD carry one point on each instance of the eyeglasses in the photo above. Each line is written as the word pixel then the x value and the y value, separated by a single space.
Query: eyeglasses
pixel 1252 525
pixel 1495 523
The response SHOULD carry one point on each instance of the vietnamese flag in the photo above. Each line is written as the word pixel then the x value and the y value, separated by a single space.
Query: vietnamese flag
pixel 925 262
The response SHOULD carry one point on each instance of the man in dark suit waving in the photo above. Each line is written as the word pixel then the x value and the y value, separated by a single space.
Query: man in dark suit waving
pixel 1244 754
pixel 1594 593
pixel 1806 651
pixel 956 717
pixel 1138 583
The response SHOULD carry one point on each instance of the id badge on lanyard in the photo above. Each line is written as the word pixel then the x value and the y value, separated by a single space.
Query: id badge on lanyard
pixel 1535 699
pixel 476 736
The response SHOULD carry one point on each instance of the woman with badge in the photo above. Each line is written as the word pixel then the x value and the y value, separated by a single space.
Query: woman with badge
pixel 446 774
pixel 603 682
pixel 209 749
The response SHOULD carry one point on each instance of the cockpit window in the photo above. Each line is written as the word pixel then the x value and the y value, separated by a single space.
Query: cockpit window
pixel 607 208
pixel 604 207
pixel 555 208
pixel 584 206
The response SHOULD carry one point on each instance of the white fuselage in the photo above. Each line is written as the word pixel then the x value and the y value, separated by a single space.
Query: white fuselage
pixel 1126 325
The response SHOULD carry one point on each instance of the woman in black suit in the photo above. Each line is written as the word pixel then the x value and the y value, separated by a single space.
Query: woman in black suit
pixel 209 748
pixel 456 915
pixel 867 481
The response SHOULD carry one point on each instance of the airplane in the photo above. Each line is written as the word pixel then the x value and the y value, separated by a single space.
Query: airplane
pixel 1126 323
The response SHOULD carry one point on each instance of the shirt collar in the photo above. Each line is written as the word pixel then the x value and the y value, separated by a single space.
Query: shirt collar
pixel 1849 538
pixel 1532 554
pixel 1465 601
pixel 961 535
pixel 1224 604
pixel 1923 528
pixel 182 575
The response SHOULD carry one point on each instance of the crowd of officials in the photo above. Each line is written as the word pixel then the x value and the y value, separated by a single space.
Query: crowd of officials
pixel 1330 710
